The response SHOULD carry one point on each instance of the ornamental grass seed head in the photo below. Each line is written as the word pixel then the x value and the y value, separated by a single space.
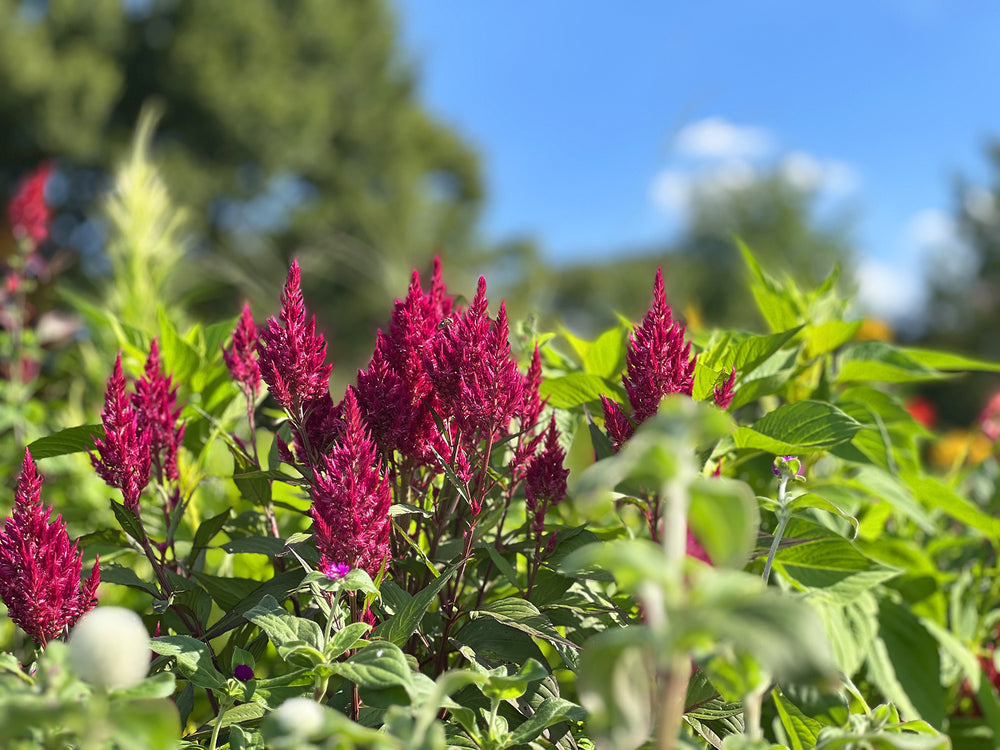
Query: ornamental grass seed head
pixel 39 567
pixel 123 456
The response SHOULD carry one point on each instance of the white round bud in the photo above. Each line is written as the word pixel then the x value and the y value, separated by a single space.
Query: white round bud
pixel 109 647
pixel 298 717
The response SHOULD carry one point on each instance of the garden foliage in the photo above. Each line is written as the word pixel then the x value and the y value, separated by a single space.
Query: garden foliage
pixel 502 538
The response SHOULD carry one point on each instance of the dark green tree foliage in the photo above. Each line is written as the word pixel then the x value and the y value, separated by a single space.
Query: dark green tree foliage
pixel 289 127
pixel 702 270
pixel 964 286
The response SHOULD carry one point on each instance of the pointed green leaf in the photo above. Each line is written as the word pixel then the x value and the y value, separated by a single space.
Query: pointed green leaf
pixel 194 659
pixel 70 440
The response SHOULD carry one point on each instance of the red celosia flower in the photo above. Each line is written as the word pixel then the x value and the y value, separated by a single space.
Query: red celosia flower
pixel 395 392
pixel 989 419
pixel 659 362
pixel 531 409
pixel 477 382
pixel 292 355
pixel 241 357
pixel 27 211
pixel 545 479
pixel 154 401
pixel 123 456
pixel 351 498
pixel 39 568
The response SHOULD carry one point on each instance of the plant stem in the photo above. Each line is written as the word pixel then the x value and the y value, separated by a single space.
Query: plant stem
pixel 783 518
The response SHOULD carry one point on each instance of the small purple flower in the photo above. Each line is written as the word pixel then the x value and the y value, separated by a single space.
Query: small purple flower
pixel 335 571
pixel 790 467
pixel 243 672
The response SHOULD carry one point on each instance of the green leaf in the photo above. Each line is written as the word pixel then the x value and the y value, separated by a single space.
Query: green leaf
pixel 799 427
pixel 205 533
pixel 832 566
pixel 502 686
pixel 904 664
pixel 280 587
pixel 605 356
pixel 935 494
pixel 812 500
pixel 724 519
pixel 398 628
pixel 194 659
pixel 745 351
pixel 128 520
pixel 802 730
pixel 111 573
pixel 258 545
pixel 574 389
pixel 378 666
pixel 345 638
pixel 253 484
pixel 774 299
pixel 70 440
pixel 880 361
pixel 828 336
pixel 524 616
pixel 947 361
pixel 883 487
pixel 282 627
pixel 159 685
pixel 226 592
pixel 769 377
pixel 495 643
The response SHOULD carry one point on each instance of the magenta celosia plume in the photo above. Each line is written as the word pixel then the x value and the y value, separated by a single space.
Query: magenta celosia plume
pixel 292 355
pixel 476 380
pixel 27 211
pixel 241 357
pixel 123 456
pixel 39 567
pixel 157 415
pixel 659 362
pixel 545 479
pixel 351 498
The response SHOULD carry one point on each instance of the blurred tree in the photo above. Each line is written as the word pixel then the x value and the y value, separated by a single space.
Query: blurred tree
pixel 703 271
pixel 964 285
pixel 289 127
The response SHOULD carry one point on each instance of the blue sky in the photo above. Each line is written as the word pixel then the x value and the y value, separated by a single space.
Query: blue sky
pixel 595 124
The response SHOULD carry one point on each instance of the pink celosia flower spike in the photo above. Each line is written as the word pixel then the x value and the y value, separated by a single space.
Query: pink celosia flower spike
pixel 723 393
pixel 154 402
pixel 27 211
pixel 351 498
pixel 123 456
pixel 292 355
pixel 39 568
pixel 545 479
pixel 241 357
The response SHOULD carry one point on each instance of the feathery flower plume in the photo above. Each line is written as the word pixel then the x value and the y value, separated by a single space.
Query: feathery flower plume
pixel 39 567
pixel 27 211
pixel 291 354
pixel 123 457
pixel 241 357
pixel 659 362
pixel 351 498
pixel 395 392
pixel 545 479
pixel 531 409
pixel 476 379
pixel 154 402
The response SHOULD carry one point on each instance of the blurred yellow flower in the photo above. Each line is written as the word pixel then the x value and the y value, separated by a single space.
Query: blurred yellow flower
pixel 874 330
pixel 971 447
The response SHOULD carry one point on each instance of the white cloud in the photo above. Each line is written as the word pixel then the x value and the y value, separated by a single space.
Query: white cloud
pixel 716 138
pixel 674 189
pixel 981 205
pixel 931 229
pixel 809 173
pixel 893 292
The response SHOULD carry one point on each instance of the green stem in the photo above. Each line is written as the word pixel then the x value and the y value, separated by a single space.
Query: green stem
pixel 783 518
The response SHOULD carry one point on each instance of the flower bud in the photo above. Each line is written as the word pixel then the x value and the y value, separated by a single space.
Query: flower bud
pixel 109 647
pixel 789 467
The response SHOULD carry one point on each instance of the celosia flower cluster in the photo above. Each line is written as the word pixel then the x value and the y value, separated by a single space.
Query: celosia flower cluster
pixel 27 211
pixel 39 567
pixel 142 430
pixel 441 383
pixel 658 363
pixel 545 479
pixel 241 356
